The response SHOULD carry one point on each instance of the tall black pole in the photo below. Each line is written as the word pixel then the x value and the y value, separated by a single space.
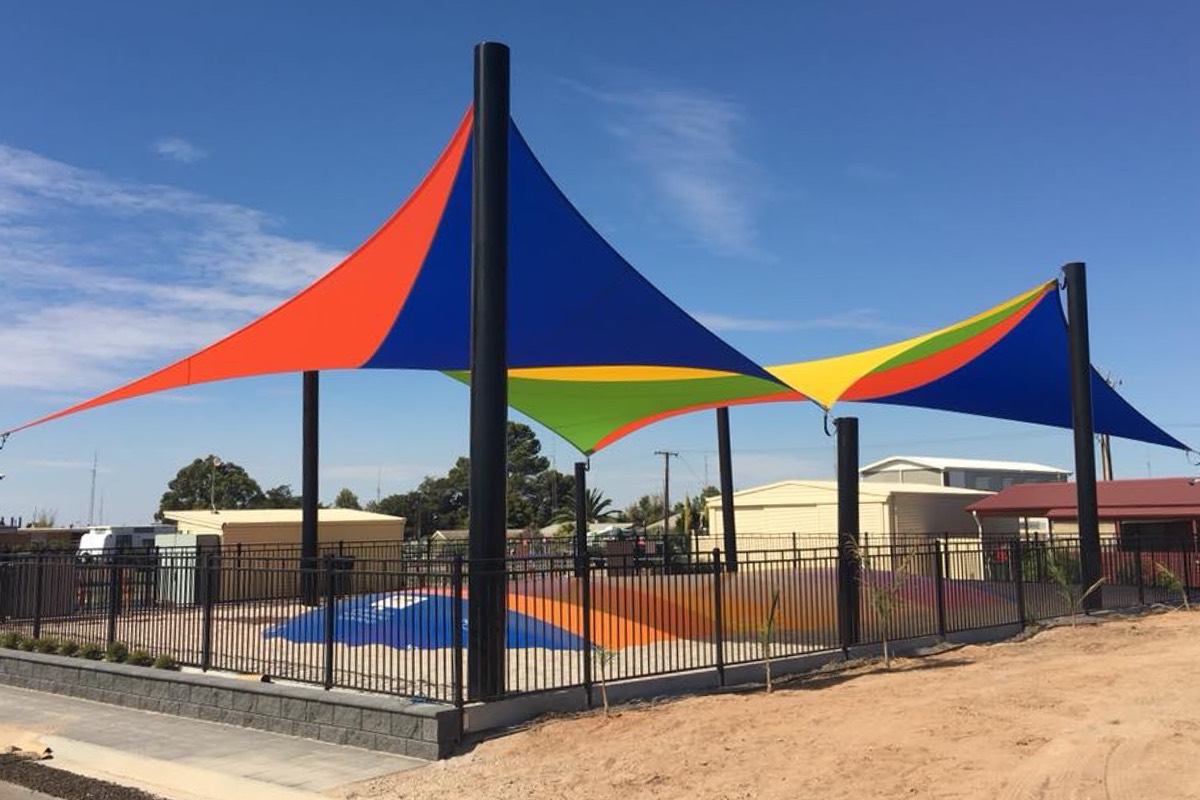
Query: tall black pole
pixel 308 497
pixel 666 543
pixel 849 564
pixel 581 520
pixel 1081 413
pixel 487 576
pixel 728 524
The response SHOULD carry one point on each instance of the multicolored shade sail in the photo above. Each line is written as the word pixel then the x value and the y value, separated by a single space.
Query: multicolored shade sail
pixel 1010 362
pixel 595 350
pixel 402 301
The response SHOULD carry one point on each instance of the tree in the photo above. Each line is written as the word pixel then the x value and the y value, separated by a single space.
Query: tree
pixel 534 494
pixel 43 518
pixel 646 509
pixel 280 497
pixel 346 499
pixel 596 508
pixel 211 482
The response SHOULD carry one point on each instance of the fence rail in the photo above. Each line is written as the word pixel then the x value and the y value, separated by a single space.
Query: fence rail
pixel 394 623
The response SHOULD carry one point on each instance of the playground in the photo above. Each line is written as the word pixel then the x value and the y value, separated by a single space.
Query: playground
pixel 1101 710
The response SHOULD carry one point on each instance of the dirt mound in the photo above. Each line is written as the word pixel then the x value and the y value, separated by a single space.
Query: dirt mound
pixel 1095 711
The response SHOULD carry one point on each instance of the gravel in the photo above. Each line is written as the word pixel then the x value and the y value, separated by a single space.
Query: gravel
pixel 60 783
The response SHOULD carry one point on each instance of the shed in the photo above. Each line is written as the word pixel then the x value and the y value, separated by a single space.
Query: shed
pixel 282 526
pixel 768 517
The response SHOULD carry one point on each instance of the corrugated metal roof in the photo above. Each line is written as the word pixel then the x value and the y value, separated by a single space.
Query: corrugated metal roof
pixel 1125 498
pixel 877 491
pixel 941 463
pixel 273 516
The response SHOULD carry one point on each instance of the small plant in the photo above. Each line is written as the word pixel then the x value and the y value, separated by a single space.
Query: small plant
pixel 91 651
pixel 766 635
pixel 10 640
pixel 1070 591
pixel 68 647
pixel 886 596
pixel 1172 583
pixel 165 662
pixel 603 657
pixel 27 643
pixel 139 658
pixel 116 652
pixel 47 646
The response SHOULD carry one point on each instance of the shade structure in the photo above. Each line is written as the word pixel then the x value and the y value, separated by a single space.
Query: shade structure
pixel 1010 362
pixel 402 301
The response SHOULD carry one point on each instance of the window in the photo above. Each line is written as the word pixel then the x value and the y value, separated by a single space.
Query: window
pixel 1171 536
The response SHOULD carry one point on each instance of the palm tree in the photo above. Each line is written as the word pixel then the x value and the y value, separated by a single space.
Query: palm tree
pixel 597 508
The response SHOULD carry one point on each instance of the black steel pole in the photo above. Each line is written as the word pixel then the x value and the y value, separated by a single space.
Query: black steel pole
pixel 308 498
pixel 849 565
pixel 728 523
pixel 486 576
pixel 581 520
pixel 1085 440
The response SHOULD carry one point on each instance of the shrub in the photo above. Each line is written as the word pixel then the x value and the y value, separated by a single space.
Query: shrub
pixel 10 640
pixel 68 647
pixel 27 643
pixel 165 662
pixel 91 651
pixel 48 646
pixel 139 658
pixel 116 652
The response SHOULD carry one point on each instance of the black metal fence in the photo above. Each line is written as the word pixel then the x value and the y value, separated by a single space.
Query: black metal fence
pixel 395 623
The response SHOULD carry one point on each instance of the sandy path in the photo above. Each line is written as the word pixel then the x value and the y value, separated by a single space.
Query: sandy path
pixel 1109 711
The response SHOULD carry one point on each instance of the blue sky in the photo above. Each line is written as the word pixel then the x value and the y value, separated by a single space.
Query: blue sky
pixel 807 178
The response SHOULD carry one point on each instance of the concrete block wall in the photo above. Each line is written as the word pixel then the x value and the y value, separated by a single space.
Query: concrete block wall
pixel 393 725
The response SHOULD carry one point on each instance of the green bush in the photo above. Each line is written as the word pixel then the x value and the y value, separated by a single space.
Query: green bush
pixel 116 652
pixel 68 647
pixel 165 662
pixel 47 645
pixel 139 658
pixel 27 643
pixel 10 640
pixel 91 651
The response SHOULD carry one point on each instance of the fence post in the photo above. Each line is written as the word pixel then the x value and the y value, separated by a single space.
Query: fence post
pixel 1017 558
pixel 940 586
pixel 330 618
pixel 718 617
pixel 1138 576
pixel 114 598
pixel 37 596
pixel 585 590
pixel 206 632
pixel 456 587
pixel 1187 576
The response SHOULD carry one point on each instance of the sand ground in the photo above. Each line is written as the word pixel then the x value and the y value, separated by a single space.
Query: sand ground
pixel 1099 711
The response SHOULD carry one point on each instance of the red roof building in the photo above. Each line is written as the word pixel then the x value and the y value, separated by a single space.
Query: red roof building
pixel 1164 513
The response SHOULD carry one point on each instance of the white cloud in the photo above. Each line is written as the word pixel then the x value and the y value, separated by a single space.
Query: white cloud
pixel 176 149
pixel 688 145
pixel 105 279
pixel 858 319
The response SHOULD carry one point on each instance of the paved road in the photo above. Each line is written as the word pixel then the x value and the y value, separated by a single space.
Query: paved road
pixel 182 759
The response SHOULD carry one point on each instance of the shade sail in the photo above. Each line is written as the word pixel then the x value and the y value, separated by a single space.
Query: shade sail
pixel 1010 362
pixel 402 301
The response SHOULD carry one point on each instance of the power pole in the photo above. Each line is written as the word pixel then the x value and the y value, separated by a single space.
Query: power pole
pixel 1106 467
pixel 666 548
pixel 92 500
